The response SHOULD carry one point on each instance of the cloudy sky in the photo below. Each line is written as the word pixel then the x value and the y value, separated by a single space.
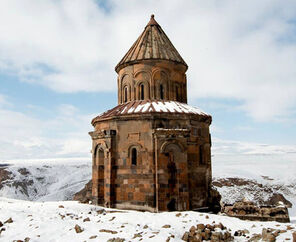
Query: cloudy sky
pixel 57 62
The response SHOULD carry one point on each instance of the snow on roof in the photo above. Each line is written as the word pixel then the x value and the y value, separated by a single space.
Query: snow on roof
pixel 149 106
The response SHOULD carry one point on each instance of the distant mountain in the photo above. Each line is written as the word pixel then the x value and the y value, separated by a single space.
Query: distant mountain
pixel 60 179
pixel 44 180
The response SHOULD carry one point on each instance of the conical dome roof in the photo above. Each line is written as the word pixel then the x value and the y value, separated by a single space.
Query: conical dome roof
pixel 153 44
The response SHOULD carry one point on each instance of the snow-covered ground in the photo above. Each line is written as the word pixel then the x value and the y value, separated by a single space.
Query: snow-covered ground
pixel 275 172
pixel 55 221
pixel 60 179
pixel 47 183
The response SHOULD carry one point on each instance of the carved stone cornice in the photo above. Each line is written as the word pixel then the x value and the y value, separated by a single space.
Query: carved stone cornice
pixel 102 134
pixel 161 132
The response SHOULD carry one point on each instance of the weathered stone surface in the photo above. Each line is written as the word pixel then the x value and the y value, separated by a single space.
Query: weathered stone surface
pixel 192 230
pixel 249 211
pixel 153 43
pixel 241 232
pixel 78 229
pixel 152 151
pixel 85 195
pixel 8 221
pixel 274 199
pixel 108 231
pixel 255 238
pixel 185 236
pixel 294 236
pixel 268 235
pixel 207 233
pixel 200 226
pixel 166 226
pixel 116 240
pixel 86 219
pixel 138 235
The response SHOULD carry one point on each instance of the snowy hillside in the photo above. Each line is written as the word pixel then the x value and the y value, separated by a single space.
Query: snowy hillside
pixel 56 221
pixel 45 180
pixel 260 178
pixel 60 179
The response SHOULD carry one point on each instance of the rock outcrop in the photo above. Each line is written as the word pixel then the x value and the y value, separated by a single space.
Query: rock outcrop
pixel 249 211
pixel 207 232
pixel 4 176
pixel 214 200
pixel 85 195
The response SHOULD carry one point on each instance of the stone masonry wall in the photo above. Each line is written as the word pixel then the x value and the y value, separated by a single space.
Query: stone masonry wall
pixel 152 74
pixel 183 163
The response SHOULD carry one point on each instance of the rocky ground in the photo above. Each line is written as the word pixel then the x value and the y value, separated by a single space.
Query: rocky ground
pixel 72 221
pixel 269 193
pixel 261 194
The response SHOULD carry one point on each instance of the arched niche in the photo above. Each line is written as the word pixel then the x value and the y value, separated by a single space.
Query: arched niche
pixel 135 154
pixel 160 84
pixel 172 145
pixel 125 83
pixel 99 158
pixel 99 154
pixel 126 93
pixel 142 85
pixel 173 161
pixel 142 90
pixel 99 146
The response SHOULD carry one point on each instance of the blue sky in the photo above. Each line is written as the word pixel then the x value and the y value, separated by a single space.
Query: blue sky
pixel 57 62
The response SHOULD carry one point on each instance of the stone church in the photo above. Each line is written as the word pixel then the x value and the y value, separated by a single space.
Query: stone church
pixel 152 151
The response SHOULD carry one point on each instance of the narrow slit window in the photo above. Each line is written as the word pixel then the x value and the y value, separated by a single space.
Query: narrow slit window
pixel 125 94
pixel 134 156
pixel 142 92
pixel 161 92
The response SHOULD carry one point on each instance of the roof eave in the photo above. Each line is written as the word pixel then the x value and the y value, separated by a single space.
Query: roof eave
pixel 125 64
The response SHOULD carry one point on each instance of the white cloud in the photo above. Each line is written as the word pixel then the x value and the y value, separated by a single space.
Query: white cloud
pixel 4 102
pixel 242 50
pixel 66 135
pixel 234 148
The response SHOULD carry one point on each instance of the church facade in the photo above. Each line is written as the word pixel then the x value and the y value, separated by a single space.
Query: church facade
pixel 153 151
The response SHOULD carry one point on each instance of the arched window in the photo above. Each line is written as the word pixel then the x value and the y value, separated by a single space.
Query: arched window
pixel 100 157
pixel 161 92
pixel 125 94
pixel 134 156
pixel 142 92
